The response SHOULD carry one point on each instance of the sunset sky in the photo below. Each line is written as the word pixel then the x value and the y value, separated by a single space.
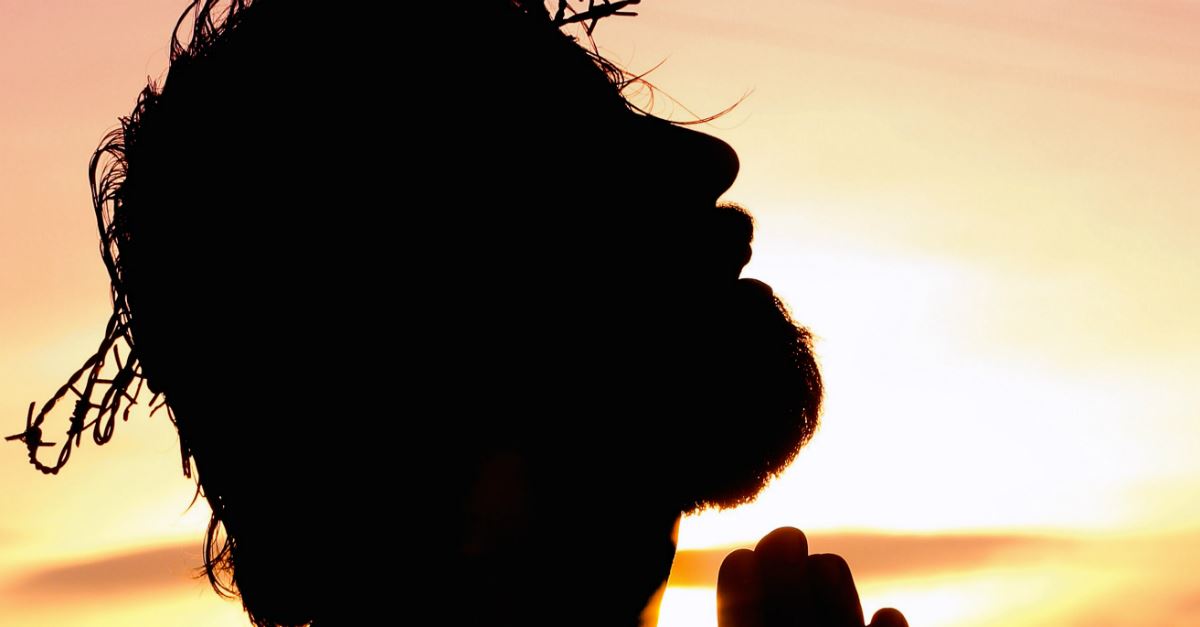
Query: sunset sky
pixel 985 212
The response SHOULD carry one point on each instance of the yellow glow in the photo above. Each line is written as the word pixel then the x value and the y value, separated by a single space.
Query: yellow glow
pixel 688 607
pixel 194 607
pixel 985 212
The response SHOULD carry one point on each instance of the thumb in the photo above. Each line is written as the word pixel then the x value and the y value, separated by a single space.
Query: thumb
pixel 888 617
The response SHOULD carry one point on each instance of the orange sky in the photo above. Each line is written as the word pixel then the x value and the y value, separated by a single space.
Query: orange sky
pixel 984 212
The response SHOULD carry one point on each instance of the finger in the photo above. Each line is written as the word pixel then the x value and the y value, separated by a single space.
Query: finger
pixel 834 596
pixel 782 555
pixel 888 617
pixel 739 591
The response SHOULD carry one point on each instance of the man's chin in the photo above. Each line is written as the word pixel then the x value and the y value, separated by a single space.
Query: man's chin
pixel 765 409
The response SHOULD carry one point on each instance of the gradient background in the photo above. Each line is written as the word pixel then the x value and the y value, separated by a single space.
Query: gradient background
pixel 986 213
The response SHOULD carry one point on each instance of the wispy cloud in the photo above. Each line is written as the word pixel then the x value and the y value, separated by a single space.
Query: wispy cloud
pixel 132 572
pixel 886 555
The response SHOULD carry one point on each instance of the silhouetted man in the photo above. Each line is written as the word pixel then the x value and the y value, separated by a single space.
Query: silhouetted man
pixel 450 331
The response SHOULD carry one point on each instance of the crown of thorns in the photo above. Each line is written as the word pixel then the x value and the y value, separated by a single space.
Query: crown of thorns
pixel 567 14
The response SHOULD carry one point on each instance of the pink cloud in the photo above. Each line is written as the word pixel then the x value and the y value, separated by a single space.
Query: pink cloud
pixel 133 572
pixel 883 555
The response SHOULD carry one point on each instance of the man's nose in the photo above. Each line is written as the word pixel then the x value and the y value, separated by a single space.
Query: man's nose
pixel 701 165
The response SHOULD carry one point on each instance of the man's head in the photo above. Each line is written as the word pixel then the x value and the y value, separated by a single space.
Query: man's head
pixel 462 279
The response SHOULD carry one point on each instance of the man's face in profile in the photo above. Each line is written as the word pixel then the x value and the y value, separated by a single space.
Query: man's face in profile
pixel 545 417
